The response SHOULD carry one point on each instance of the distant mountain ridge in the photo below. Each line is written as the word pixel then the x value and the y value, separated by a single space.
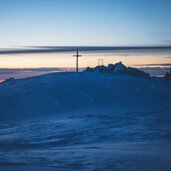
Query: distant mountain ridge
pixel 119 68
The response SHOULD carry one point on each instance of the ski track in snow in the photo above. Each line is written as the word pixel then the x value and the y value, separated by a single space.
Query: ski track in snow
pixel 102 122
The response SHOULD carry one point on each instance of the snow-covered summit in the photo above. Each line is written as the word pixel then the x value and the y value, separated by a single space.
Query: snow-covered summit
pixel 58 93
pixel 118 68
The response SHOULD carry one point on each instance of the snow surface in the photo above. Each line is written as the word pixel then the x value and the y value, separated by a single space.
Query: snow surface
pixel 85 121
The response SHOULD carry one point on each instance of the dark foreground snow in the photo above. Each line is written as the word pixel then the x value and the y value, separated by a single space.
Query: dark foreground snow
pixel 85 121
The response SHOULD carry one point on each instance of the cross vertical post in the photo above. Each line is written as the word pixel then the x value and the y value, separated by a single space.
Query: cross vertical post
pixel 100 62
pixel 77 56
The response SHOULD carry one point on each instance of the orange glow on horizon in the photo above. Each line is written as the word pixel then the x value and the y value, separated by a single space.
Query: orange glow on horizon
pixel 87 59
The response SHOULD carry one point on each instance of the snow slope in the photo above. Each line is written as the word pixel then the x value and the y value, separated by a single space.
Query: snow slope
pixel 66 92
pixel 85 121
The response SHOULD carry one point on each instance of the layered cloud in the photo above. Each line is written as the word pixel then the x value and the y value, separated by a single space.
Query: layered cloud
pixel 59 49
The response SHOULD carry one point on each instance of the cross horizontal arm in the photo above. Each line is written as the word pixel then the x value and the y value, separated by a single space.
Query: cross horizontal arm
pixel 77 55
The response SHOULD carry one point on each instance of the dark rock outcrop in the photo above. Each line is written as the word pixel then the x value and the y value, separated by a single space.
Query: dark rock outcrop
pixel 118 68
pixel 168 76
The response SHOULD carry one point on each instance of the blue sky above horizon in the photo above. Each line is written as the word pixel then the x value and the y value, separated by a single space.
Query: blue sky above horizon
pixel 29 25
pixel 85 22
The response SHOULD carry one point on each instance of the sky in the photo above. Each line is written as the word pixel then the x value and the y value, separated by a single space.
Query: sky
pixel 85 23
pixel 41 25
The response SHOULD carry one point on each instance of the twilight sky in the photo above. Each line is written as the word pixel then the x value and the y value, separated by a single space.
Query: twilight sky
pixel 85 22
pixel 31 32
